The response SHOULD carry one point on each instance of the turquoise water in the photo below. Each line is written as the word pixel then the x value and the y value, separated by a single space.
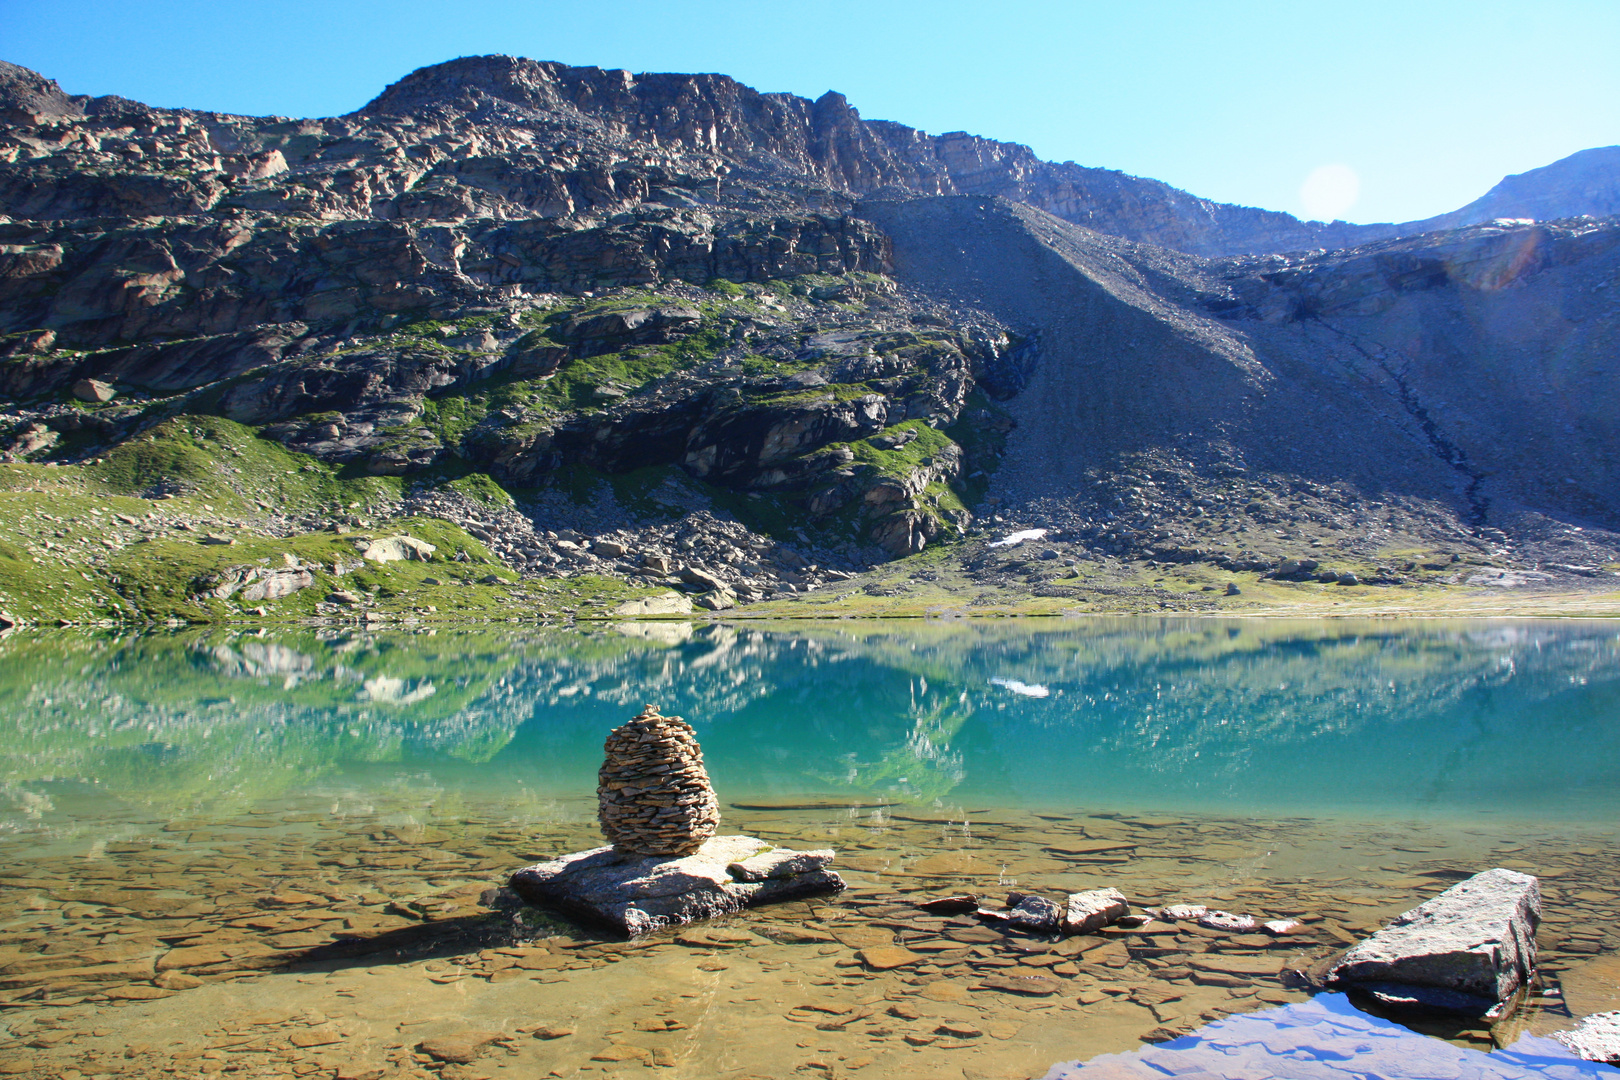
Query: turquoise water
pixel 213 841
pixel 1432 720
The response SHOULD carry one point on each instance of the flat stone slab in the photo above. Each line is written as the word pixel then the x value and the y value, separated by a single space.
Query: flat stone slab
pixel 637 894
pixel 1476 938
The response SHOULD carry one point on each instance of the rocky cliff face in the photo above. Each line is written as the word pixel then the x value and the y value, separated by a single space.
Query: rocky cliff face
pixel 524 270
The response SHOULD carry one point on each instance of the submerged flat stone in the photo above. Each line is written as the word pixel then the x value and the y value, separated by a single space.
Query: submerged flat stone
pixel 1327 1038
pixel 641 893
pixel 1596 1038
pixel 1476 938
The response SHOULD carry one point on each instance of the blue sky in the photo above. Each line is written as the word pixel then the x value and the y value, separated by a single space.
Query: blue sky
pixel 1410 108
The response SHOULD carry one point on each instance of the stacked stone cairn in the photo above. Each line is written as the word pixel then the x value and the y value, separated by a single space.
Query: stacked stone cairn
pixel 653 794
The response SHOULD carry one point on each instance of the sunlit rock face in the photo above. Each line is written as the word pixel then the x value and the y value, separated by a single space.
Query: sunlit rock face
pixel 929 322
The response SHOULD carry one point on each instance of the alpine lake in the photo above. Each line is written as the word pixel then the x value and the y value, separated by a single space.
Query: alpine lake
pixel 280 853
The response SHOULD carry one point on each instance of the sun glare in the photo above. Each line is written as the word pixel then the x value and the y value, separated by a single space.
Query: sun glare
pixel 1329 191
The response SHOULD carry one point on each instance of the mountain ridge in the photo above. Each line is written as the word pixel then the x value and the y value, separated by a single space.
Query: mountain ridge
pixel 673 333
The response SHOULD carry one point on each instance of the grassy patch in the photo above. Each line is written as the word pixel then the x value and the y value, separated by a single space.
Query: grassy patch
pixel 229 465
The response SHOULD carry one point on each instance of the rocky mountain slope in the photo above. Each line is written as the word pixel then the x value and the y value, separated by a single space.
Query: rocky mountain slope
pixel 1586 183
pixel 667 331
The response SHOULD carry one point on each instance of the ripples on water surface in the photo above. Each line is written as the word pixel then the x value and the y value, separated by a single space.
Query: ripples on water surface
pixel 265 855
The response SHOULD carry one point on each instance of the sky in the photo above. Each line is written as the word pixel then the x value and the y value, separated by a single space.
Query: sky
pixel 1369 111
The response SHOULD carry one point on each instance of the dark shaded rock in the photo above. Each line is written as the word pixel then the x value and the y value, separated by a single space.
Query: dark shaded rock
pixel 1035 914
pixel 965 904
pixel 1431 999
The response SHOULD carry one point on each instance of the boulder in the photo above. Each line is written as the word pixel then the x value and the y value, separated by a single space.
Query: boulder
pixel 253 584
pixel 276 584
pixel 702 579
pixel 93 390
pixel 1478 938
pixel 395 549
pixel 668 603
pixel 1596 1038
pixel 1093 910
pixel 637 894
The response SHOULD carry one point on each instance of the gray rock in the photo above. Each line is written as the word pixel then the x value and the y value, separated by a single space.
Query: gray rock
pixel 668 603
pixel 93 390
pixel 1093 910
pixel 252 585
pixel 702 579
pixel 1597 1038
pixel 638 894
pixel 1478 937
pixel 395 549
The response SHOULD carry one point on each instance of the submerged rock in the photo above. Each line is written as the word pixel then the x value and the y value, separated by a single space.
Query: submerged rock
pixel 1477 938
pixel 1225 920
pixel 965 904
pixel 640 893
pixel 1597 1038
pixel 779 863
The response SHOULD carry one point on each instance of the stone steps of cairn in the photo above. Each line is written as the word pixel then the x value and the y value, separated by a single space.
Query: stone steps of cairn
pixel 653 793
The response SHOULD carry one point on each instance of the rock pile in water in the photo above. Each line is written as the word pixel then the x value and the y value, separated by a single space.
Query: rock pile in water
pixel 653 793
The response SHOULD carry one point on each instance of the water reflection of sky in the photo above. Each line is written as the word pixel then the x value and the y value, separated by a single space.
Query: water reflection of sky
pixel 1327 1038
pixel 1236 716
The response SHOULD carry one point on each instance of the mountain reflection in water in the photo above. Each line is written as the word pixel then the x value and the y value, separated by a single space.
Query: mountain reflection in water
pixel 1297 716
